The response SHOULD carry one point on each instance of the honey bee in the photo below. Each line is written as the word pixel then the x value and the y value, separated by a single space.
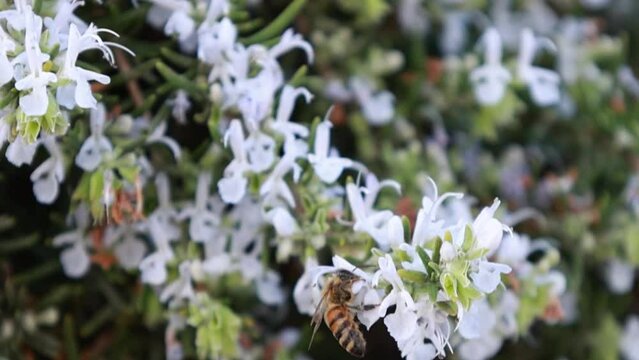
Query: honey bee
pixel 336 308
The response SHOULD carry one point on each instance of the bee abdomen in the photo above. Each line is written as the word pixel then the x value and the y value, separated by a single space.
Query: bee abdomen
pixel 346 330
pixel 354 342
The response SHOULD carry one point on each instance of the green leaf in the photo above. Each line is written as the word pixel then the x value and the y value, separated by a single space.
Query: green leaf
pixel 98 320
pixel 83 190
pixel 437 246
pixel 31 131
pixel 9 97
pixel 412 276
pixel 432 289
pixel 449 284
pixel 407 228
pixel 70 344
pixel 18 244
pixel 37 272
pixel 96 189
pixel 605 339
pixel 297 78
pixel 423 256
pixel 179 81
pixel 177 58
pixel 467 294
pixel 469 239
pixel 277 26
pixel 129 173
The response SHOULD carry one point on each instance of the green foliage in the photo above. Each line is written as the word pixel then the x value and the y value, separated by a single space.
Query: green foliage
pixel 217 328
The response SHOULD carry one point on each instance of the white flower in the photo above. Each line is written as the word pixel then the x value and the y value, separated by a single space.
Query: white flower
pixel 395 231
pixel 488 230
pixel 46 178
pixel 628 343
pixel 401 324
pixel 158 136
pixel 180 23
pixel 483 348
pixel 260 149
pixel 96 146
pixel 307 293
pixel 431 335
pixel 416 263
pixel 488 276
pixel 233 186
pixel 59 26
pixel 292 132
pixel 181 105
pixel 479 320
pixel 74 258
pixel 78 92
pixel 336 90
pixel 204 223
pixel 378 108
pixel 412 17
pixel 620 276
pixel 217 264
pixel 217 47
pixel 328 167
pixel 374 186
pixel 367 220
pixel 490 79
pixel 289 41
pixel 542 83
pixel 130 252
pixel 555 279
pixel 6 69
pixel 180 289
pixel 36 102
pixel 16 17
pixel 427 226
pixel 275 187
pixel 256 95
pixel 284 223
pixel 398 294
pixel 513 251
pixel 269 290
pixel 454 32
pixel 153 269
pixel 20 152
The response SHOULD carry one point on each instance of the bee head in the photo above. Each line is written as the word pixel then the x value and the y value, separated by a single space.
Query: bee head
pixel 346 276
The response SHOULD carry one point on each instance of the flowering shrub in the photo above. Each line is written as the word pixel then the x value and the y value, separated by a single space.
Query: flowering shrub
pixel 472 165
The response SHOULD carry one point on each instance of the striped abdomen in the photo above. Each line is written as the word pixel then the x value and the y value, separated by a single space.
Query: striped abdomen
pixel 345 328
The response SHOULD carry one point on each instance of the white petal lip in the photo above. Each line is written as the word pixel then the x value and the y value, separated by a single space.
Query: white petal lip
pixel 19 152
pixel 153 269
pixel 489 276
pixel 232 189
pixel 46 189
pixel 283 222
pixel 75 260
pixel 130 252
pixel 619 276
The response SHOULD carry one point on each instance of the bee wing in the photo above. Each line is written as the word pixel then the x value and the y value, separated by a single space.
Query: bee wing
pixel 317 316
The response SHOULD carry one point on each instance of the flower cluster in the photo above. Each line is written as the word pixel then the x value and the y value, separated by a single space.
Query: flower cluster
pixel 490 80
pixel 533 290
pixel 433 279
pixel 42 82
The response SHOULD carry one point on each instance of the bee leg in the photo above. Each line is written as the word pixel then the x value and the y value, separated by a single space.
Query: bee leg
pixel 367 307
pixel 364 307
